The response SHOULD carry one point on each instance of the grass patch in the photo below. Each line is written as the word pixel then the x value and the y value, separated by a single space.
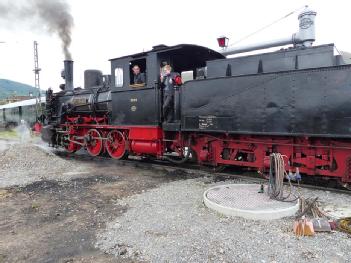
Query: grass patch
pixel 8 134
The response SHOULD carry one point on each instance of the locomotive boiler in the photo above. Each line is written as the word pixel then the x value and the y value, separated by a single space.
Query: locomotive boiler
pixel 228 111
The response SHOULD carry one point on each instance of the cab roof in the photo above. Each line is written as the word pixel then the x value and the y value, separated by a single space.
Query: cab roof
pixel 188 49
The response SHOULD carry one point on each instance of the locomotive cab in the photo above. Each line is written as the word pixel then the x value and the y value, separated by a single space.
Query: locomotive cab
pixel 134 104
pixel 141 104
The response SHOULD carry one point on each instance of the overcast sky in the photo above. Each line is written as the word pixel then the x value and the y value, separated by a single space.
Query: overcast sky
pixel 106 29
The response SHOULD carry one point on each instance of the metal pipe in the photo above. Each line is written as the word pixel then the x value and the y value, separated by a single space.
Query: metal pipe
pixel 304 37
pixel 258 46
pixel 68 74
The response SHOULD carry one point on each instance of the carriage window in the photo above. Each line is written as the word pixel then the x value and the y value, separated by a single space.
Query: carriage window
pixel 119 77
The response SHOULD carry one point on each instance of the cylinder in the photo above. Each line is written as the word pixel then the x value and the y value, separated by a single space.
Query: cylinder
pixel 306 34
pixel 146 147
pixel 68 74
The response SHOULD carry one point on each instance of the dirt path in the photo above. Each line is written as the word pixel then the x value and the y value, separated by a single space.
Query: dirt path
pixel 57 221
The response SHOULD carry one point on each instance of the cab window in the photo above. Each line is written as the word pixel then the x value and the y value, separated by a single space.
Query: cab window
pixel 119 77
pixel 137 69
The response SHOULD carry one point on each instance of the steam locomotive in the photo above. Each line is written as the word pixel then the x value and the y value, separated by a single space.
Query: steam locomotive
pixel 229 111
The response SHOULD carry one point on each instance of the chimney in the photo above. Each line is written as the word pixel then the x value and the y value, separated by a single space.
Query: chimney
pixel 68 74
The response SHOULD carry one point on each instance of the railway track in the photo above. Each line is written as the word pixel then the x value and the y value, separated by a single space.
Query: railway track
pixel 192 169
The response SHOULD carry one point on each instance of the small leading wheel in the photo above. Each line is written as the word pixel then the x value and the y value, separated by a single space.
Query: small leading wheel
pixel 116 145
pixel 70 145
pixel 94 142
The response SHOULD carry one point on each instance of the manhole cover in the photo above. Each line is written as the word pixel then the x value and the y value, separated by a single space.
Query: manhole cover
pixel 244 200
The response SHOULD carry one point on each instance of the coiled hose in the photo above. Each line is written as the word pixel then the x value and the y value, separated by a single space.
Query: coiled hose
pixel 277 174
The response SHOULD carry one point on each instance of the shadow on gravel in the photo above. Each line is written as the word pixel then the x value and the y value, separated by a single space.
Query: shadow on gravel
pixel 180 174
pixel 51 185
pixel 45 185
pixel 96 179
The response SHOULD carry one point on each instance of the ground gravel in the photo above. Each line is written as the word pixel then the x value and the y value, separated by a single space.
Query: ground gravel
pixel 23 163
pixel 171 224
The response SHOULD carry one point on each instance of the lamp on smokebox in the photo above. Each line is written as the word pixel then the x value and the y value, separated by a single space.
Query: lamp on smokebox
pixel 223 41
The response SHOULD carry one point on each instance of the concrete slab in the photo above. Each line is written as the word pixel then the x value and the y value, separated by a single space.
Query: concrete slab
pixel 244 200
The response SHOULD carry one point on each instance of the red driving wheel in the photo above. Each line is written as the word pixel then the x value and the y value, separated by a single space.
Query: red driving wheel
pixel 94 142
pixel 116 145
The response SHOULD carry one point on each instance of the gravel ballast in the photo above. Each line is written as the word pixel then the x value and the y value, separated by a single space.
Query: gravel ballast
pixel 171 224
pixel 21 164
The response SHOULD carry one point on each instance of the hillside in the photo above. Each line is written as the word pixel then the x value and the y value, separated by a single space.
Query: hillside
pixel 9 88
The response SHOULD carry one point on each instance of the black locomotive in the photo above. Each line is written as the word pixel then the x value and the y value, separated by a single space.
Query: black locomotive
pixel 228 111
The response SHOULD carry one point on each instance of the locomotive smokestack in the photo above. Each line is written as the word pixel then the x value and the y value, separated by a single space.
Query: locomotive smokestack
pixel 68 74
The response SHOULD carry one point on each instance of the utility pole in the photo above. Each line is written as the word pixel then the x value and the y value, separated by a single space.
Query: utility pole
pixel 36 68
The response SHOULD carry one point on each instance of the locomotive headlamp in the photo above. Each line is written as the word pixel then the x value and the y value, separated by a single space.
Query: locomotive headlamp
pixel 223 41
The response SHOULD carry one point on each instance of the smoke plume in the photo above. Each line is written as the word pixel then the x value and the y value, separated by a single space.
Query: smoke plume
pixel 53 16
